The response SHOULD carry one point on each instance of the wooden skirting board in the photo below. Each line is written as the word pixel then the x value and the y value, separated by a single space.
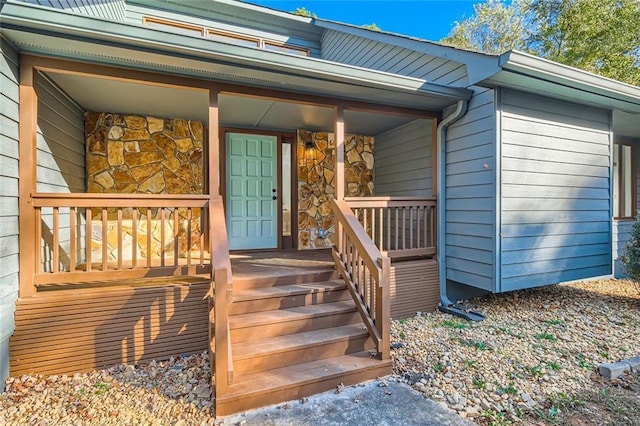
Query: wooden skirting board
pixel 414 287
pixel 81 329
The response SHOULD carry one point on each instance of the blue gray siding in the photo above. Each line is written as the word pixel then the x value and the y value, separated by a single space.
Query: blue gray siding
pixel 108 9
pixel 359 51
pixel 60 158
pixel 9 99
pixel 622 231
pixel 555 208
pixel 470 194
pixel 403 160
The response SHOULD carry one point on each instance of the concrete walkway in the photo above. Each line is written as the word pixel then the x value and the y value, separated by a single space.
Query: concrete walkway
pixel 378 402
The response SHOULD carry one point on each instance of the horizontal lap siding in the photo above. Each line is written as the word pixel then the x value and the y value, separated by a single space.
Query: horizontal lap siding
pixel 414 287
pixel 555 209
pixel 60 156
pixel 67 331
pixel 622 231
pixel 109 9
pixel 9 147
pixel 403 160
pixel 362 52
pixel 470 194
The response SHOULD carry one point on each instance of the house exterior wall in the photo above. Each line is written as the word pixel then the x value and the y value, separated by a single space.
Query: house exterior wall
pixel 622 230
pixel 60 160
pixel 9 266
pixel 470 194
pixel 555 185
pixel 109 9
pixel 362 52
pixel 61 147
pixel 404 160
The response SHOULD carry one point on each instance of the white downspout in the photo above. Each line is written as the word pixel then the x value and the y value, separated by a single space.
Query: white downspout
pixel 461 110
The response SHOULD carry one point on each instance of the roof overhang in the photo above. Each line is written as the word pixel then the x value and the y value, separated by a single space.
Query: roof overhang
pixel 45 31
pixel 524 70
pixel 530 73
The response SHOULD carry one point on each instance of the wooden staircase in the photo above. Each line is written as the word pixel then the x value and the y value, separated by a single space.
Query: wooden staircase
pixel 295 336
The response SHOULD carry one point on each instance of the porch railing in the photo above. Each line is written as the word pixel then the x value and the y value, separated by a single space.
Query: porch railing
pixel 399 226
pixel 87 237
pixel 366 272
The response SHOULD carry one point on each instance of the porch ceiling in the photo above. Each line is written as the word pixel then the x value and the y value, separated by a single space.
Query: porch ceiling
pixel 103 95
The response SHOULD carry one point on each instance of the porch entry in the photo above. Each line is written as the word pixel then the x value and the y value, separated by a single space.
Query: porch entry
pixel 252 191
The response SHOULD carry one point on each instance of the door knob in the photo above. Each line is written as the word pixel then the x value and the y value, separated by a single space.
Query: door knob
pixel 275 197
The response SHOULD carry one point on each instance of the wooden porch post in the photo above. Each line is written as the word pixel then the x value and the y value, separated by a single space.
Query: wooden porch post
pixel 214 144
pixel 434 157
pixel 338 131
pixel 28 116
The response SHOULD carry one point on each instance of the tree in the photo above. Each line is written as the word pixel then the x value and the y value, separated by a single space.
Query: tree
pixel 494 28
pixel 301 11
pixel 600 36
pixel 373 27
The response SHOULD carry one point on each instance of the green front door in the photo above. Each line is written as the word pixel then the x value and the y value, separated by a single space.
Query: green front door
pixel 252 191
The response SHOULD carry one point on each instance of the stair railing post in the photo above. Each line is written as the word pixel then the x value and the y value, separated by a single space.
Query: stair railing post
pixel 221 312
pixel 383 308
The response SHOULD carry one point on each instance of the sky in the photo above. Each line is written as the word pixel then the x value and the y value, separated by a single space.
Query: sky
pixel 426 19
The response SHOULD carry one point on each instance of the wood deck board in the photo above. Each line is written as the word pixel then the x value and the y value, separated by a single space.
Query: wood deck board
pixel 287 290
pixel 285 315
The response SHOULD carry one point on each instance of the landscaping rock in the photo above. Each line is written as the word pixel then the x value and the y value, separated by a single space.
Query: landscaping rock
pixel 613 370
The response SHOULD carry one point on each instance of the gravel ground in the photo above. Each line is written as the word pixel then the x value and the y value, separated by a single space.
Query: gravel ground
pixel 536 351
pixel 534 355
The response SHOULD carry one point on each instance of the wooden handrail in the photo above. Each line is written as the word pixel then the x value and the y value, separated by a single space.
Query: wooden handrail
pixel 222 291
pixel 119 200
pixel 369 287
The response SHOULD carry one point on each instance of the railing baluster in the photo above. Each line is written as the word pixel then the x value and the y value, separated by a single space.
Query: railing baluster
pixel 87 237
pixel 39 242
pixel 162 242
pixel 105 240
pixel 189 217
pixel 119 238
pixel 55 261
pixel 380 227
pixel 134 237
pixel 418 211
pixel 149 237
pixel 410 227
pixel 176 236
pixel 73 255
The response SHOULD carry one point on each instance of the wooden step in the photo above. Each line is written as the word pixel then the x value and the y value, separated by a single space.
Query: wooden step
pixel 258 325
pixel 287 278
pixel 287 296
pixel 275 352
pixel 300 380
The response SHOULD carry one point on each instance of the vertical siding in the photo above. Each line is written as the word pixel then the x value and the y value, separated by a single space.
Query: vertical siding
pixel 470 194
pixel 362 52
pixel 403 160
pixel 9 99
pixel 622 231
pixel 60 155
pixel 555 211
pixel 108 9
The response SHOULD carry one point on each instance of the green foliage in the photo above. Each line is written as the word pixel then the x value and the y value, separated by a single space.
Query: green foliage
pixel 509 390
pixel 599 36
pixel 494 28
pixel 372 26
pixel 479 382
pixel 545 336
pixel 631 257
pixel 454 324
pixel 301 11
pixel 554 322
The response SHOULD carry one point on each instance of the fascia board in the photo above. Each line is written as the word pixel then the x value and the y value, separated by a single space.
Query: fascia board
pixel 30 17
pixel 611 92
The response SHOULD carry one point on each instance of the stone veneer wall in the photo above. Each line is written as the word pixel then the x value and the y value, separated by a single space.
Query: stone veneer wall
pixel 316 182
pixel 131 154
